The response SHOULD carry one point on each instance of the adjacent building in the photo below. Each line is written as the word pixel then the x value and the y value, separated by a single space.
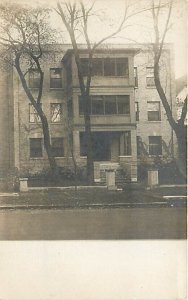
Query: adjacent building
pixel 128 121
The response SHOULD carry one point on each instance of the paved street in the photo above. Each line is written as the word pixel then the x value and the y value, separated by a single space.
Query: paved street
pixel 124 223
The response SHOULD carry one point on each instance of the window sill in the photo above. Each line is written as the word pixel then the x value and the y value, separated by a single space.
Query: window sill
pixel 56 123
pixel 36 158
pixel 58 89
pixel 159 121
pixel 108 76
pixel 122 156
pixel 112 115
pixel 154 155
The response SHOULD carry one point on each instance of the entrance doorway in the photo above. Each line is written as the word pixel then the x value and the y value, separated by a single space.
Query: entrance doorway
pixel 105 145
pixel 101 146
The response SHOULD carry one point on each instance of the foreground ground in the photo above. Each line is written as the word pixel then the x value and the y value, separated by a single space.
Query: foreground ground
pixel 94 214
pixel 89 224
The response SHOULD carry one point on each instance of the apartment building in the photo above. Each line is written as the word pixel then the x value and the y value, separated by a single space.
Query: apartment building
pixel 127 117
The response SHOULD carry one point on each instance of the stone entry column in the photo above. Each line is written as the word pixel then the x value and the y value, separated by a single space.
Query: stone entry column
pixel 110 179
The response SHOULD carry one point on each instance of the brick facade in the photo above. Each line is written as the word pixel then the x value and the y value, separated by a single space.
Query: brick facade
pixel 121 128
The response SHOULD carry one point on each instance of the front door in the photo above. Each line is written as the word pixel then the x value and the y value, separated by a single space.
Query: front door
pixel 101 146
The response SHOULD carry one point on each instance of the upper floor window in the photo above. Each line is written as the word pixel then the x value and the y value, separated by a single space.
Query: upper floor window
pixel 35 147
pixel 33 115
pixel 137 111
pixel 154 111
pixel 150 77
pixel 57 147
pixel 56 78
pixel 155 145
pixel 56 112
pixel 135 77
pixel 106 66
pixel 108 105
pixel 34 78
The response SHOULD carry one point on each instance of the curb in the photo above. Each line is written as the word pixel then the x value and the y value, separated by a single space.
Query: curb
pixel 88 206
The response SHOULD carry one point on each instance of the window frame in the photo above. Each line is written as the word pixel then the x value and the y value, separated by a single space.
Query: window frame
pixel 58 79
pixel 149 115
pixel 154 144
pixel 60 112
pixel 104 100
pixel 115 61
pixel 137 111
pixel 136 77
pixel 35 114
pixel 150 76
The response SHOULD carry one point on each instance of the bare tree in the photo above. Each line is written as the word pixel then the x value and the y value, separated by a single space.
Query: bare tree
pixel 23 33
pixel 158 47
pixel 75 17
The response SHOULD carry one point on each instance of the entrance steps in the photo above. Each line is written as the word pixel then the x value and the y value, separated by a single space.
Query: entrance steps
pixel 100 173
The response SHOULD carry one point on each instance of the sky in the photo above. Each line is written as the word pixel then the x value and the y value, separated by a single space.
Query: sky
pixel 139 28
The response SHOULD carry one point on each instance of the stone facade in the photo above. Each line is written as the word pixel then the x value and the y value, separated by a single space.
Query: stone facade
pixel 116 133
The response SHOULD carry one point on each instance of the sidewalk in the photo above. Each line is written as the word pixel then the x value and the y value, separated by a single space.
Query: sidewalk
pixel 91 197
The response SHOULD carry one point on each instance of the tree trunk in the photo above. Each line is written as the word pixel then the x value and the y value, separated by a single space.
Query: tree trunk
pixel 90 164
pixel 47 145
pixel 182 149
pixel 37 106
pixel 87 105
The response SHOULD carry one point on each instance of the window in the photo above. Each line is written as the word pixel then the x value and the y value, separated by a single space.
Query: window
pixel 109 67
pixel 33 115
pixel 97 105
pixel 84 66
pixel 56 78
pixel 56 112
pixel 116 67
pixel 35 147
pixel 155 145
pixel 108 105
pixel 34 78
pixel 97 68
pixel 122 68
pixel 137 111
pixel 57 147
pixel 83 144
pixel 154 111
pixel 125 143
pixel 150 77
pixel 135 77
pixel 139 145
pixel 106 66
pixel 123 105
